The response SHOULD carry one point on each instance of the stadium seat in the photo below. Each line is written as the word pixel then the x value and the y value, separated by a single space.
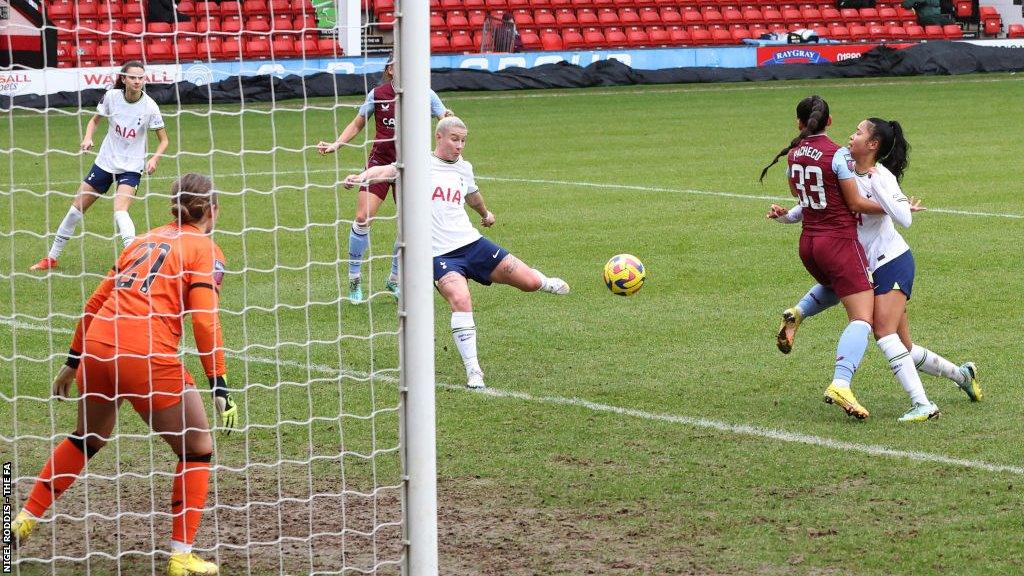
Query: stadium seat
pixel 692 17
pixel 231 25
pixel 439 43
pixel 462 41
pixel 952 31
pixel 62 9
pixel 859 33
pixel 608 17
pixel 628 16
pixel 878 32
pixel 279 7
pixel 257 24
pixel 544 17
pixel 850 15
pixel 457 21
pixel 934 32
pixel 550 40
pixel 593 37
pixel 530 39
pixel 230 8
pixel 637 36
pixel 131 49
pixel 740 34
pixel 711 16
pixel 659 36
pixel 158 28
pixel 572 39
pixel 915 32
pixel 615 37
pixel 897 33
pixel 329 47
pixel 385 21
pixel 679 35
pixel 649 15
pixel 670 15
pixel 283 46
pixel 839 32
pixel 252 7
pixel 209 48
pixel 869 14
pixel 887 14
pixel 830 15
pixel 1015 31
pixel 565 17
pixel 700 36
pixel 964 9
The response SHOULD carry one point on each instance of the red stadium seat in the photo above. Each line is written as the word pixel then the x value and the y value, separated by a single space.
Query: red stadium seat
pixel 692 17
pixel 385 20
pixel 810 14
pixel 934 32
pixel 615 37
pixel 109 53
pixel 739 34
pixel 732 16
pixel 280 7
pixel 565 17
pixel 457 21
pixel 1015 31
pixel 462 41
pixel 608 17
pixel 252 7
pixel 629 16
pixel 522 17
pixel 830 15
pixel 859 33
pixel 897 33
pixel 679 35
pixel 230 8
pixel 636 36
pixel 593 37
pixel 530 39
pixel 877 32
pixel 158 28
pixel 753 15
pixel 257 24
pixel 649 15
pixel 572 39
pixel 915 32
pixel 62 9
pixel 587 16
pixel 850 15
pixel 952 31
pixel 869 14
pixel 839 32
pixel 209 48
pixel 329 47
pixel 659 36
pixel 187 47
pixel 283 46
pixel 231 25
pixel 550 40
pixel 544 17
pixel 439 43
pixel 711 15
pixel 700 36
pixel 888 14
pixel 669 15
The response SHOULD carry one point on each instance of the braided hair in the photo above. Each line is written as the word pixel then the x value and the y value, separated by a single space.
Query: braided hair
pixel 893 148
pixel 813 114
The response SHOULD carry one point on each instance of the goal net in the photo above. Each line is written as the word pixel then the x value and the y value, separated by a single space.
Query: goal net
pixel 314 479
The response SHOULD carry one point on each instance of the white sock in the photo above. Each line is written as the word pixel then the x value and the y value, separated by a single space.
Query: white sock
pixel 903 367
pixel 125 226
pixel 549 284
pixel 840 383
pixel 180 547
pixel 464 334
pixel 931 363
pixel 65 231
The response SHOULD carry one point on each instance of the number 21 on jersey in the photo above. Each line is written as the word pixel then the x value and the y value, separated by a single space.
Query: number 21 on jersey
pixel 810 185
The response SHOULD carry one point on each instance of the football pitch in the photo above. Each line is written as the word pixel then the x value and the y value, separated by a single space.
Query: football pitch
pixel 657 434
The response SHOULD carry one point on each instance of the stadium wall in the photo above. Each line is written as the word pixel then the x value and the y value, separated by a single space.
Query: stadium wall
pixel 278 80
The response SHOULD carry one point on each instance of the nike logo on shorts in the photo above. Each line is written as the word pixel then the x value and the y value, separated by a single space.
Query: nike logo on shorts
pixel 496 252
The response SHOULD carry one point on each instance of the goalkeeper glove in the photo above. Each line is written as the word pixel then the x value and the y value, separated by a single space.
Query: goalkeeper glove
pixel 226 407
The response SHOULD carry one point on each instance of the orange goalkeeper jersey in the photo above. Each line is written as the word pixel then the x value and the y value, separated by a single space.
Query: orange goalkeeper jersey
pixel 160 277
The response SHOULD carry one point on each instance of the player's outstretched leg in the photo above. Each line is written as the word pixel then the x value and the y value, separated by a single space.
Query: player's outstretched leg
pixel 849 352
pixel 513 272
pixel 964 376
pixel 791 319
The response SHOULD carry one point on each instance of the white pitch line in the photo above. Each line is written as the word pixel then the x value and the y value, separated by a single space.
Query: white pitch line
pixel 571 183
pixel 738 429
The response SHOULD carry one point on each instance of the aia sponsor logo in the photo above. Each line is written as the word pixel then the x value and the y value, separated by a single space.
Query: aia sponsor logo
pixel 125 132
pixel 447 195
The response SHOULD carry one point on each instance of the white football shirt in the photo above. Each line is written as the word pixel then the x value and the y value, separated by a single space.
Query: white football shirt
pixel 450 183
pixel 124 148
pixel 876 232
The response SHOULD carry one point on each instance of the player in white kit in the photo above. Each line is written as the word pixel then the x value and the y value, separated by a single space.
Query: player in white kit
pixel 131 113
pixel 880 152
pixel 460 252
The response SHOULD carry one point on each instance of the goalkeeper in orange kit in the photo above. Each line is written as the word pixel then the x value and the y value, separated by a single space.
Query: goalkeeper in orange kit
pixel 126 348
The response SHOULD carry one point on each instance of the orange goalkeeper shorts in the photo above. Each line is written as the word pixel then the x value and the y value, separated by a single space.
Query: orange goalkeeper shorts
pixel 106 376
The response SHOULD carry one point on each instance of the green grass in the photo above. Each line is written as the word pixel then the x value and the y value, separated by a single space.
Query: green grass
pixel 531 482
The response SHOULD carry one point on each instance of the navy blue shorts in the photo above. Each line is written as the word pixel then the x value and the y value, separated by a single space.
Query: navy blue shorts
pixel 475 261
pixel 897 274
pixel 101 180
